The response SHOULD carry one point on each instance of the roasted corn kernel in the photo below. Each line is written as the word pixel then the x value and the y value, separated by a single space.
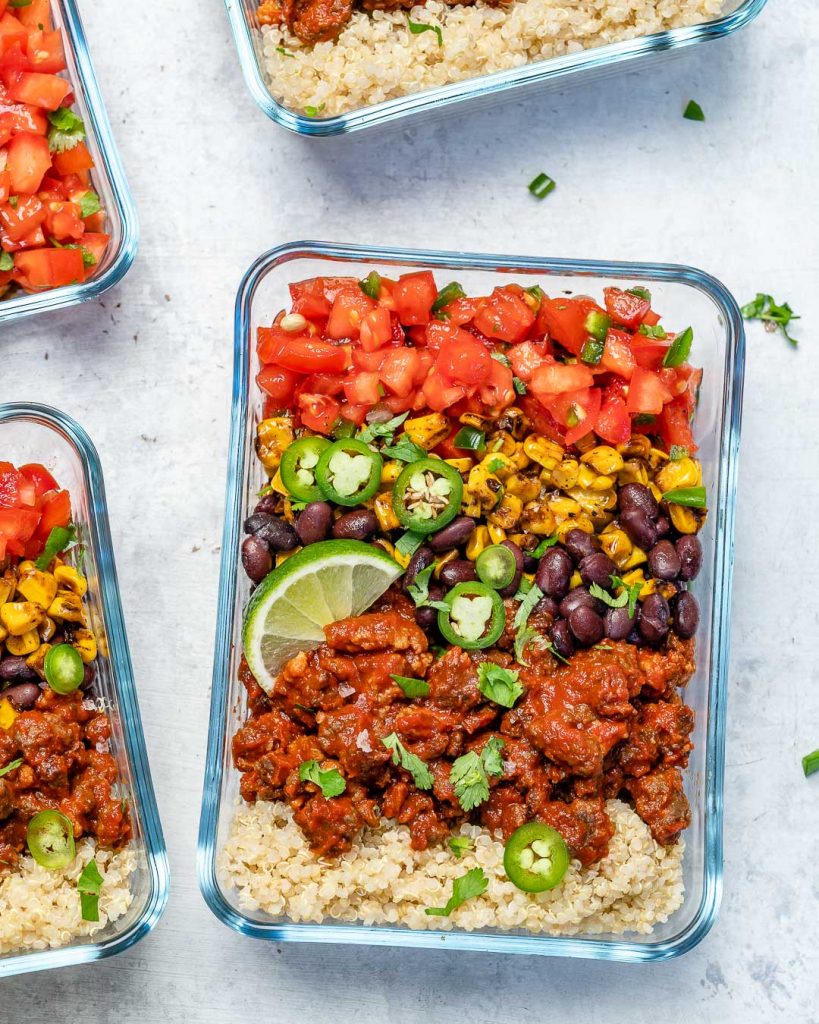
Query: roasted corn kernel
pixel 526 488
pixel 67 607
pixel 385 513
pixel 8 715
pixel 462 465
pixel 272 437
pixel 23 644
pixel 617 545
pixel 681 473
pixel 47 628
pixel 496 533
pixel 478 542
pixel 604 459
pixel 565 475
pixel 85 643
pixel 544 452
pixel 507 514
pixel 20 617
pixel 445 559
pixel 36 661
pixel 69 579
pixel 538 518
pixel 427 431
pixel 390 471
pixel 499 465
pixel 686 520
pixel 8 584
pixel 484 487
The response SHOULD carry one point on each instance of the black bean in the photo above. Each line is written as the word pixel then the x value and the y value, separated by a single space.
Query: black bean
pixel 89 676
pixel 356 525
pixel 579 544
pixel 13 669
pixel 638 525
pixel 617 623
pixel 426 617
pixel 654 615
pixel 586 625
pixel 269 503
pixel 637 496
pixel 452 535
pixel 23 696
pixel 546 606
pixel 579 598
pixel 529 562
pixel 256 558
pixel 562 638
pixel 314 522
pixel 421 559
pixel 689 549
pixel 685 614
pixel 597 568
pixel 554 572
pixel 512 588
pixel 663 526
pixel 275 532
pixel 663 561
pixel 458 571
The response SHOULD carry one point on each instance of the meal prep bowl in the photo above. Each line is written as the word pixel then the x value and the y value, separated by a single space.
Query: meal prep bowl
pixel 107 179
pixel 35 433
pixel 684 296
pixel 552 71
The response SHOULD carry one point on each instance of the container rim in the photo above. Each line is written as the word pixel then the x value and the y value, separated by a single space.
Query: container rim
pixel 539 72
pixel 111 168
pixel 122 673
pixel 627 951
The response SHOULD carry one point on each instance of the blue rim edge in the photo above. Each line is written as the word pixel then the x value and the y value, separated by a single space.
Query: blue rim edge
pixel 122 672
pixel 485 85
pixel 112 169
pixel 723 580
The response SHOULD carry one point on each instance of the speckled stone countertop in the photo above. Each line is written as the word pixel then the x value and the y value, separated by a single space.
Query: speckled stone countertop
pixel 147 371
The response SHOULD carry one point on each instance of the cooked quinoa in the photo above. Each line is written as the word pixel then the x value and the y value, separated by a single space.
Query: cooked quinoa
pixel 382 880
pixel 376 58
pixel 40 909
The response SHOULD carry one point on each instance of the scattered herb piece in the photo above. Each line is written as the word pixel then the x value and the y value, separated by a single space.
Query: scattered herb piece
pixel 680 348
pixel 677 452
pixel 657 331
pixel 412 687
pixel 528 601
pixel 592 351
pixel 285 53
pixel 449 293
pixel 330 782
pixel 408 543
pixel 417 27
pixel 66 132
pixel 523 638
pixel 543 547
pixel 693 111
pixel 500 685
pixel 472 884
pixel 501 357
pixel 314 111
pixel 374 430
pixel 13 201
pixel 810 763
pixel 418 590
pixel 692 497
pixel 405 450
pixel 421 775
pixel 775 315
pixel 60 539
pixel 494 464
pixel 371 285
pixel 550 647
pixel 640 292
pixel 631 589
pixel 10 767
pixel 603 595
pixel 542 185
pixel 89 204
pixel 459 845
pixel 537 294
pixel 89 885
pixel 469 774
pixel 519 386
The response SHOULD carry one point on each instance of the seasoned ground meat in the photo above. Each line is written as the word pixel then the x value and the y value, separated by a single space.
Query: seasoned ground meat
pixel 609 723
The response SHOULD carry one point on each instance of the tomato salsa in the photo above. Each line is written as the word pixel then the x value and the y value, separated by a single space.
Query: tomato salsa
pixel 52 225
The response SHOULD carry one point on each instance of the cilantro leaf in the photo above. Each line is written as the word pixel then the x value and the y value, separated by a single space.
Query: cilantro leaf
pixel 469 774
pixel 374 430
pixel 331 782
pixel 412 687
pixel 472 884
pixel 89 204
pixel 67 130
pixel 61 538
pixel 421 775
pixel 89 885
pixel 603 595
pixel 775 315
pixel 405 450
pixel 418 590
pixel 519 386
pixel 409 542
pixel 417 27
pixel 632 590
pixel 500 685
pixel 527 603
pixel 459 845
pixel 10 767
pixel 490 756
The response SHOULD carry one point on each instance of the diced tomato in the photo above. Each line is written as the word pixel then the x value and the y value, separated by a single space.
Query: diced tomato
pixel 362 388
pixel 462 359
pixel 625 308
pixel 577 411
pixel 372 361
pixel 19 221
pixel 35 14
pixel 10 481
pixel 96 242
pixel 28 160
pixel 617 355
pixel 399 372
pixel 322 384
pixel 498 391
pixel 396 404
pixel 527 357
pixel 63 221
pixel 12 54
pixel 12 32
pixel 649 352
pixel 39 477
pixel 74 161
pixel 349 309
pixel 375 329
pixel 613 423
pixel 279 384
pixel 505 316
pixel 45 51
pixel 310 300
pixel 318 412
pixel 555 378
pixel 17 525
pixel 439 393
pixel 309 355
pixel 46 91
pixel 461 311
pixel 48 268
pixel 651 319
pixel 55 510
pixel 647 394
pixel 674 426
pixel 565 320
pixel 413 295
pixel 355 414
pixel 270 341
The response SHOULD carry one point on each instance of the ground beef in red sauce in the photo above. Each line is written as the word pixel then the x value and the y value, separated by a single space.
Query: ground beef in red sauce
pixel 610 723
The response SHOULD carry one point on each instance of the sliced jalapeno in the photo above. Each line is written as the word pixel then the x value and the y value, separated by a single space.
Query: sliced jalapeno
pixel 50 839
pixel 536 857
pixel 474 618
pixel 427 495
pixel 63 669
pixel 349 472
pixel 298 467
pixel 496 566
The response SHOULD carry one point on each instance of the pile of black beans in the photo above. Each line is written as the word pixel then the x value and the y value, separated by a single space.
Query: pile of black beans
pixel 579 619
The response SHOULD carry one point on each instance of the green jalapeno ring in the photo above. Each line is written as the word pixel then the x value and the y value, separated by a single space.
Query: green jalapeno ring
pixel 496 566
pixel 298 468
pixel 330 472
pixel 536 857
pixel 493 625
pixel 445 504
pixel 50 840
pixel 63 669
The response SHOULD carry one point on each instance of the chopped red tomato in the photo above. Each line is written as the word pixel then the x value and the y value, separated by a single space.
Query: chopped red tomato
pixel 45 51
pixel 309 355
pixel 555 378
pixel 625 308
pixel 48 268
pixel 318 412
pixel 55 510
pixel 279 384
pixel 505 316
pixel 399 371
pixel 36 89
pixel 439 393
pixel 39 477
pixel 414 295
pixel 526 358
pixel 565 320
pixel 27 160
pixel 498 391
pixel 77 160
pixel 617 355
pixel 576 411
pixel 613 423
pixel 349 309
pixel 647 394
pixel 375 329
pixel 674 426
pixel 462 359
pixel 649 352
pixel 362 388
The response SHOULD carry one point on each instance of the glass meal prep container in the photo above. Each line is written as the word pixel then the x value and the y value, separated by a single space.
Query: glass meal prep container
pixel 107 179
pixel 36 433
pixel 551 71
pixel 684 296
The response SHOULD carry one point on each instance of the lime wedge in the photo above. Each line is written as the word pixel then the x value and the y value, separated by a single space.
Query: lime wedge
pixel 318 585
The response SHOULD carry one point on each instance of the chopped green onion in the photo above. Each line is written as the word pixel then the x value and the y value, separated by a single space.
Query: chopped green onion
pixel 694 112
pixel 680 348
pixel 542 185
pixel 810 763
pixel 314 111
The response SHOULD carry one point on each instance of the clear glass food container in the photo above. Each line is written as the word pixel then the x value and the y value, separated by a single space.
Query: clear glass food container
pixel 107 179
pixel 539 74
pixel 684 296
pixel 36 433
